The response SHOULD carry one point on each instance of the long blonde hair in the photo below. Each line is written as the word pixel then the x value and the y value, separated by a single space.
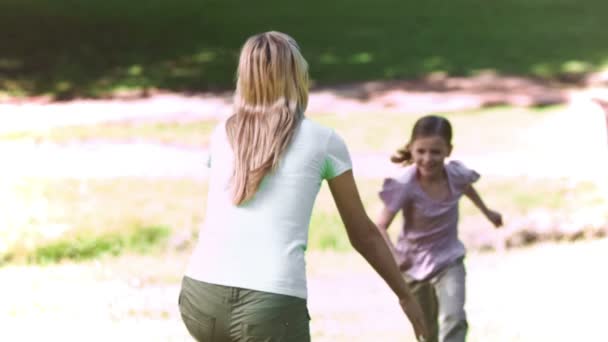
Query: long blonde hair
pixel 270 98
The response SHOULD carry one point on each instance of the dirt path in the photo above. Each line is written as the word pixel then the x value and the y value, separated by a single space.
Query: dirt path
pixel 562 136
pixel 111 160
pixel 134 298
pixel 560 146
pixel 439 94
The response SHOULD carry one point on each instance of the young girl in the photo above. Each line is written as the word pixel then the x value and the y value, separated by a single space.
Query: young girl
pixel 428 250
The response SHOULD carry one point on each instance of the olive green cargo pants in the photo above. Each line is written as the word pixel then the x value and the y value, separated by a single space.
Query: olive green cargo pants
pixel 215 313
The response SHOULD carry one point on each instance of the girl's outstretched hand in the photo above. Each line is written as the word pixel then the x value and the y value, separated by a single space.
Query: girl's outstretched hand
pixel 494 217
pixel 414 313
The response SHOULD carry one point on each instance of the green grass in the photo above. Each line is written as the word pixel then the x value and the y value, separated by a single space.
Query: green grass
pixel 180 133
pixel 90 246
pixel 38 211
pixel 85 219
pixel 56 219
pixel 501 129
pixel 72 48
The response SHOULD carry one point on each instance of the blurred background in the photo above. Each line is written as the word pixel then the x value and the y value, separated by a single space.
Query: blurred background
pixel 106 109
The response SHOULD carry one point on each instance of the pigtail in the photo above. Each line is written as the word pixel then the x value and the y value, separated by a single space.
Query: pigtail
pixel 402 156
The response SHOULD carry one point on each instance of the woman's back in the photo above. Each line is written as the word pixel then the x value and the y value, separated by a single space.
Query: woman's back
pixel 247 276
pixel 260 244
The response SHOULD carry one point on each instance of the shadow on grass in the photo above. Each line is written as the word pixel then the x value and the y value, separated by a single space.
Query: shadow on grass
pixel 69 48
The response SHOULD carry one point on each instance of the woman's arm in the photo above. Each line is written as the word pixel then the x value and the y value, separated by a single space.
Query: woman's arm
pixel 365 237
pixel 492 215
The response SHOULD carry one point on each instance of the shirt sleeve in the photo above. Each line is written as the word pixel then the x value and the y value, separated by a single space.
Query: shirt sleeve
pixel 393 194
pixel 462 175
pixel 337 158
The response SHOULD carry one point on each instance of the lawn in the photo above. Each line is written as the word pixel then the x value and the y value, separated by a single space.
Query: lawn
pixel 51 220
pixel 43 215
pixel 92 48
pixel 193 134
pixel 380 132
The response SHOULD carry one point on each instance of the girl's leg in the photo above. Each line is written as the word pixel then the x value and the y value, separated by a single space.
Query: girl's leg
pixel 450 290
pixel 424 293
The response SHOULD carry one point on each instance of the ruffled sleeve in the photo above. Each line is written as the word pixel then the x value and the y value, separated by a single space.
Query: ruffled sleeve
pixel 461 176
pixel 393 194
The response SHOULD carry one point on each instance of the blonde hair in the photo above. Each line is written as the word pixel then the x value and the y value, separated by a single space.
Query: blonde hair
pixel 270 98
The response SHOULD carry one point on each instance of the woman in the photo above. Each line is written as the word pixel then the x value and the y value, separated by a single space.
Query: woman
pixel 246 280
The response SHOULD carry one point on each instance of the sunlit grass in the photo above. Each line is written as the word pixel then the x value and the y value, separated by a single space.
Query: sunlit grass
pixel 71 213
pixel 39 211
pixel 475 132
pixel 180 133
pixel 497 130
pixel 69 210
pixel 84 245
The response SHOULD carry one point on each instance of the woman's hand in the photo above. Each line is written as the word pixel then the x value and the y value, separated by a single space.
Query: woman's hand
pixel 414 313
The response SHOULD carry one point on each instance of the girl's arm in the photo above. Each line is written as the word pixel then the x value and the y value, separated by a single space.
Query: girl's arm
pixel 365 237
pixel 383 222
pixel 492 215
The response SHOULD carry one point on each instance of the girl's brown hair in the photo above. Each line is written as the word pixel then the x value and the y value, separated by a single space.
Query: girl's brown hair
pixel 426 126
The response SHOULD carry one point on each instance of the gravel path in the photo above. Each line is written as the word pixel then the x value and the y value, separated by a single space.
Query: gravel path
pixel 562 144
pixel 133 298
pixel 140 159
pixel 413 97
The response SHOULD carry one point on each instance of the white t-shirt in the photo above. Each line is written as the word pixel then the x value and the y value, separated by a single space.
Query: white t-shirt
pixel 260 244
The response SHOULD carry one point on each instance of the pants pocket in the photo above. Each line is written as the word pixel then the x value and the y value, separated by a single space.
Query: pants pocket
pixel 200 325
pixel 265 327
pixel 287 324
